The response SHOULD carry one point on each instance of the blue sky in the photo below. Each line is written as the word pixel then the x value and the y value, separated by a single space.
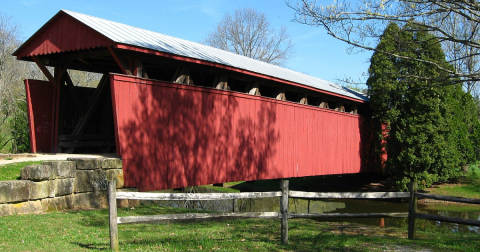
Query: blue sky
pixel 316 53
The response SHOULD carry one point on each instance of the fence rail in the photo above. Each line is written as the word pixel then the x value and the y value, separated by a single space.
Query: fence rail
pixel 414 195
pixel 348 215
pixel 196 196
pixel 284 215
pixel 193 216
pixel 348 195
pixel 447 198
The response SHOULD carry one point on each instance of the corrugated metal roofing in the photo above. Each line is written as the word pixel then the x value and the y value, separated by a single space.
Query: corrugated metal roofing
pixel 129 35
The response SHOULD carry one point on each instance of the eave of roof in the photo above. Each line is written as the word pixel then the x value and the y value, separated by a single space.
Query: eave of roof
pixel 134 37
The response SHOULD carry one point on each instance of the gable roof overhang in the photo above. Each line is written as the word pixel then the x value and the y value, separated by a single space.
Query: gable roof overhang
pixel 70 36
pixel 61 34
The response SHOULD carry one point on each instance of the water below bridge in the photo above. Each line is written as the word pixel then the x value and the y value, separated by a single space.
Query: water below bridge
pixel 340 206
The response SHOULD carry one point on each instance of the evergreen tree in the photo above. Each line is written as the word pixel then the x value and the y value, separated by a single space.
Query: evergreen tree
pixel 427 128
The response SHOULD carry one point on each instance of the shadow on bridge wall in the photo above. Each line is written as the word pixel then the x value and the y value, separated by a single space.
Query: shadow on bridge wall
pixel 171 135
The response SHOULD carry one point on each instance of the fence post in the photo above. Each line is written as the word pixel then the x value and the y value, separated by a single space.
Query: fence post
pixel 112 205
pixel 412 208
pixel 284 210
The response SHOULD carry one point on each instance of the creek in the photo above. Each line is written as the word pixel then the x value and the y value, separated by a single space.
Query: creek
pixel 341 206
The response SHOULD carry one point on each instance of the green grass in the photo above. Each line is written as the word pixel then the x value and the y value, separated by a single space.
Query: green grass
pixel 462 190
pixel 12 171
pixel 465 208
pixel 88 231
pixel 467 185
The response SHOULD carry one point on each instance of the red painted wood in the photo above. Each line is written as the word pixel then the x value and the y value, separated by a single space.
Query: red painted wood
pixel 62 34
pixel 171 135
pixel 207 63
pixel 40 97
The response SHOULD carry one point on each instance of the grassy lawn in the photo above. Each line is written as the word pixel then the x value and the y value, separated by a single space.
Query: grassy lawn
pixel 458 190
pixel 12 171
pixel 88 231
pixel 468 186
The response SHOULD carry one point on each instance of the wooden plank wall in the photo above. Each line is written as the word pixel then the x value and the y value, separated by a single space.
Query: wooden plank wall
pixel 64 35
pixel 40 96
pixel 171 135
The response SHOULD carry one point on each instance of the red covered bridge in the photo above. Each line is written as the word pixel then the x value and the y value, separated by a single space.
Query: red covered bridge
pixel 180 113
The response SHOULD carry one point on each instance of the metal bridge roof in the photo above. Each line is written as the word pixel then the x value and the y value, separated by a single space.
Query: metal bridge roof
pixel 137 37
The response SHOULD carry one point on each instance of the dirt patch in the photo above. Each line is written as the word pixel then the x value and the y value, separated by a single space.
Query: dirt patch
pixel 361 230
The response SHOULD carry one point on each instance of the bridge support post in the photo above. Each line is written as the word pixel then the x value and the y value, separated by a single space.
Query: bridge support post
pixel 284 210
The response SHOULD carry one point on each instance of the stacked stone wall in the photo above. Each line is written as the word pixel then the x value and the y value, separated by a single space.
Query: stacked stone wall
pixel 78 183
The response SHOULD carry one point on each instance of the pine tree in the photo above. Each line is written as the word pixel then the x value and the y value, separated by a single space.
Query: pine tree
pixel 426 126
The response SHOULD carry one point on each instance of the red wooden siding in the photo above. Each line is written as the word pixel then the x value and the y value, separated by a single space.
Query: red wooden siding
pixel 172 135
pixel 40 108
pixel 63 35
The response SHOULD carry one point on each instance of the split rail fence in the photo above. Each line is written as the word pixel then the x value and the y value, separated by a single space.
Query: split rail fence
pixel 284 215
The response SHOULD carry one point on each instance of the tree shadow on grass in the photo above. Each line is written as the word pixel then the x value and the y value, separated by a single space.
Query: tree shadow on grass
pixel 100 218
pixel 98 246
pixel 95 218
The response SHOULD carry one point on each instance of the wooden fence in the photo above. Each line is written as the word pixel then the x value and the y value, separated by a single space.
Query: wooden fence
pixel 412 215
pixel 284 215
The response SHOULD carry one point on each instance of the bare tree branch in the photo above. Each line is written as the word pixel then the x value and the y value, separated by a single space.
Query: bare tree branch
pixel 454 22
pixel 248 33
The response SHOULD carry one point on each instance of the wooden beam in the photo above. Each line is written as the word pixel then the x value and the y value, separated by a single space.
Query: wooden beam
pixel 176 74
pixel 447 198
pixel 349 195
pixel 221 82
pixel 120 61
pixel 281 94
pixel 45 71
pixel 348 215
pixel 84 61
pixel 139 70
pixel 74 144
pixel 254 89
pixel 89 137
pixel 339 107
pixel 64 68
pixel 182 76
pixel 187 77
pixel 57 114
pixel 284 210
pixel 112 209
pixel 434 217
pixel 196 196
pixel 323 103
pixel 304 99
pixel 193 216
pixel 354 110
pixel 187 60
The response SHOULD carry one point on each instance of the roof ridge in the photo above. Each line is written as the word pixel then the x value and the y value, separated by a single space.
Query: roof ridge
pixel 139 37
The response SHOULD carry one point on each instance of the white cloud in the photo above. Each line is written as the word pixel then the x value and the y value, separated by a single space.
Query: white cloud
pixel 30 3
